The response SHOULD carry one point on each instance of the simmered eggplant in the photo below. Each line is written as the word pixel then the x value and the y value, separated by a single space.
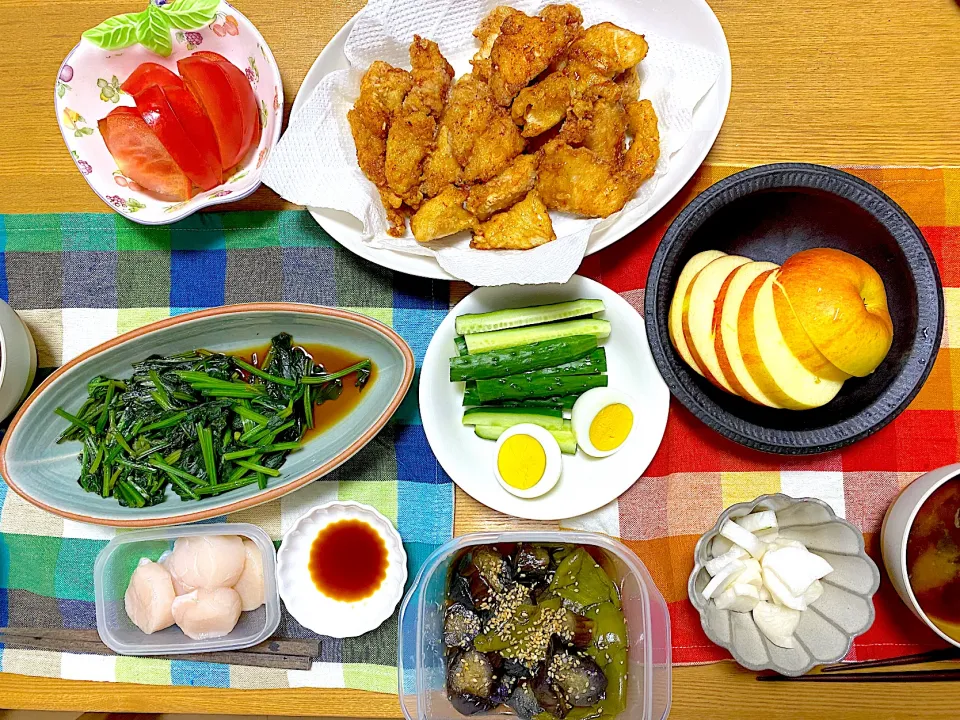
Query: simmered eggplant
pixel 538 628
pixel 523 702
pixel 532 561
pixel 460 626
pixel 471 682
pixel 579 679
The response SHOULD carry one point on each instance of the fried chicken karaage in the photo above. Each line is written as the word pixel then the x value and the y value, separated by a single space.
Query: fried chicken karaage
pixel 496 150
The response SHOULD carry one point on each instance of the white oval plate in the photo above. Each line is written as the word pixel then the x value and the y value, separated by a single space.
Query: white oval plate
pixel 323 614
pixel 686 21
pixel 586 483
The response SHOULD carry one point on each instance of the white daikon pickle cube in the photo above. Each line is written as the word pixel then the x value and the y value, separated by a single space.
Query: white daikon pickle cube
pixel 780 593
pixel 738 598
pixel 813 593
pixel 796 568
pixel 776 623
pixel 769 535
pixel 744 538
pixel 758 520
pixel 721 561
pixel 722 579
pixel 751 573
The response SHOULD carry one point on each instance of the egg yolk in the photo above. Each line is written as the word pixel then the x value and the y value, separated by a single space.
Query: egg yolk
pixel 610 427
pixel 521 461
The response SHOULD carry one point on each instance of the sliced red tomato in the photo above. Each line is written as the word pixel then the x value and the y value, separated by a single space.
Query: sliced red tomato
pixel 209 84
pixel 197 125
pixel 160 117
pixel 141 156
pixel 250 114
pixel 148 74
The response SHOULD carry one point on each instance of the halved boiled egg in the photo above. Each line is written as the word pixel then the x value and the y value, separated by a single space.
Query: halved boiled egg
pixel 603 418
pixel 527 461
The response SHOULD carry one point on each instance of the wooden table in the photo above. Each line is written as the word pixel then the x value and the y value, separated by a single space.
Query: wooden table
pixel 873 82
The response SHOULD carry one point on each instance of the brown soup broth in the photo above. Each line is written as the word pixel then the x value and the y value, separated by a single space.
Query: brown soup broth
pixel 933 557
pixel 327 414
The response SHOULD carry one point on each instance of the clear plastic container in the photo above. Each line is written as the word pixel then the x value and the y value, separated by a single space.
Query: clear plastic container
pixel 116 563
pixel 422 666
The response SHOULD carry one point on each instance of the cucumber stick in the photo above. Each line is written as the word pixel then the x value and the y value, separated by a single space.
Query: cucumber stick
pixel 461 345
pixel 520 359
pixel 594 363
pixel 564 437
pixel 500 339
pixel 521 317
pixel 548 418
pixel 470 397
pixel 521 387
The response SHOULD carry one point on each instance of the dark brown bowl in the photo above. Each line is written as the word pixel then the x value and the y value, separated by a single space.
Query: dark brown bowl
pixel 769 213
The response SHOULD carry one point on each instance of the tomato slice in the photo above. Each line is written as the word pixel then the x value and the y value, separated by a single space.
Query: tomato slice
pixel 249 113
pixel 148 74
pixel 152 103
pixel 141 156
pixel 197 125
pixel 209 84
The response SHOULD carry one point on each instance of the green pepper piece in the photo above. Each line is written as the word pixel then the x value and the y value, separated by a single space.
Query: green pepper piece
pixel 582 582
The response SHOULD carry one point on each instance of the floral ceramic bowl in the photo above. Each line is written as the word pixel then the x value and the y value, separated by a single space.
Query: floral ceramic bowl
pixel 88 87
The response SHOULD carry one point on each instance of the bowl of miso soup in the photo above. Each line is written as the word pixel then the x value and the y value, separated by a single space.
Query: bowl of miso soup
pixel 921 549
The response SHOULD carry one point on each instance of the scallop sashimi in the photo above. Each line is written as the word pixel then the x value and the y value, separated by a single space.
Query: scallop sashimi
pixel 250 584
pixel 149 597
pixel 206 561
pixel 207 614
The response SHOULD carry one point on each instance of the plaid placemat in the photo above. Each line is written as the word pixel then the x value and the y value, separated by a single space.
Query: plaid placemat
pixel 78 280
pixel 697 473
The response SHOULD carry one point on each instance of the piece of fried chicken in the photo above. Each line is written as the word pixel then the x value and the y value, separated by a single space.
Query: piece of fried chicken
pixel 524 226
pixel 600 53
pixel 487 33
pixel 581 181
pixel 442 215
pixel 413 130
pixel 525 46
pixel 506 189
pixel 482 137
pixel 382 91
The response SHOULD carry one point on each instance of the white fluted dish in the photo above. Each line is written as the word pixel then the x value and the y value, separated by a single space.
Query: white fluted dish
pixel 828 627
pixel 318 612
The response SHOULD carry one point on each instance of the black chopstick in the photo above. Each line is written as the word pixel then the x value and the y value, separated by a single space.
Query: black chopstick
pixel 930 656
pixel 914 676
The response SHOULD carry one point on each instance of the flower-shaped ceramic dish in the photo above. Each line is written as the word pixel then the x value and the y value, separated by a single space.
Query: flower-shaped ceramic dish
pixel 323 614
pixel 88 87
pixel 829 625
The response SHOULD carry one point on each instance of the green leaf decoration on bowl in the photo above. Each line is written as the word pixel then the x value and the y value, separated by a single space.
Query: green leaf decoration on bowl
pixel 152 27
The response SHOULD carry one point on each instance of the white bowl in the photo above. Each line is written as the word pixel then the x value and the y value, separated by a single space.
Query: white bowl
pixel 896 529
pixel 829 625
pixel 318 612
pixel 79 106
pixel 18 360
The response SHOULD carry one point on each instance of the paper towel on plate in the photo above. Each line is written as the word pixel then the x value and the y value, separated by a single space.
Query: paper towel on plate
pixel 315 163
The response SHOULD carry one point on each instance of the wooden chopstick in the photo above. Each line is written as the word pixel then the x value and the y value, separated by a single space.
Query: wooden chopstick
pixel 912 676
pixel 924 657
pixel 281 653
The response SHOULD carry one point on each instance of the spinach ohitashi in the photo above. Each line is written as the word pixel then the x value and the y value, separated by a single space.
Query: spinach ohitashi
pixel 200 422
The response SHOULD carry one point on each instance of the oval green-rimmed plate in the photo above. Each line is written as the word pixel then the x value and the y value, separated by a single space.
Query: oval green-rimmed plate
pixel 45 473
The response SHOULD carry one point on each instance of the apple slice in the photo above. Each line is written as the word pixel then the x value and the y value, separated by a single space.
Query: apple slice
pixel 727 339
pixel 799 342
pixel 703 296
pixel 674 321
pixel 768 358
pixel 841 303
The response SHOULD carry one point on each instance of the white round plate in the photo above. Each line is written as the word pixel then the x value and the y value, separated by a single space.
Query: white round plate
pixel 586 483
pixel 686 21
pixel 313 609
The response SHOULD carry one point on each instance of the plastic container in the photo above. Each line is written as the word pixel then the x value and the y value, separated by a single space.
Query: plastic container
pixel 422 666
pixel 116 563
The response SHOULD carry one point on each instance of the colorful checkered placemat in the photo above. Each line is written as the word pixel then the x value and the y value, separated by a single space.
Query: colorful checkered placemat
pixel 697 473
pixel 78 280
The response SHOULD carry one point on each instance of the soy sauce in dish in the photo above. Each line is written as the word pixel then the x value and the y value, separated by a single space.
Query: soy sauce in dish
pixel 933 558
pixel 328 414
pixel 348 560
